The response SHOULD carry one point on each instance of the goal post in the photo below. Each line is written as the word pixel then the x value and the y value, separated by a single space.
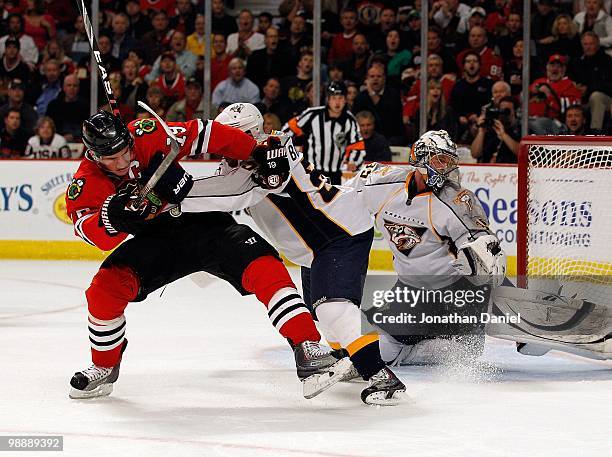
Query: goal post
pixel 564 227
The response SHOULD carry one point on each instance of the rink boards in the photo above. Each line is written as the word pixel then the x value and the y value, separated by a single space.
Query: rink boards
pixel 34 225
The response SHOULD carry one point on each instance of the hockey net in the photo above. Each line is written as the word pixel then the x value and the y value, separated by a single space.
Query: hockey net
pixel 564 232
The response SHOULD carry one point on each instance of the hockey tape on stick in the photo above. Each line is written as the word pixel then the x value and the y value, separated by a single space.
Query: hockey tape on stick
pixel 93 44
pixel 165 164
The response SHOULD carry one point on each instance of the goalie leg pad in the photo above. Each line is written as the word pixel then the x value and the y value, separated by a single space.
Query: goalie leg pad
pixel 553 321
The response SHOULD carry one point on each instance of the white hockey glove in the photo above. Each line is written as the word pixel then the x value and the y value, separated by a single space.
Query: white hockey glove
pixel 483 259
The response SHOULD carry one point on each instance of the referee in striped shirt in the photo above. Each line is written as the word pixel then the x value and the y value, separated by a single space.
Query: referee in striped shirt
pixel 330 135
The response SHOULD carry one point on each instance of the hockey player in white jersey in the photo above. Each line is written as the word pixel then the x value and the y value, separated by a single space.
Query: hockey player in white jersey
pixel 309 221
pixel 437 231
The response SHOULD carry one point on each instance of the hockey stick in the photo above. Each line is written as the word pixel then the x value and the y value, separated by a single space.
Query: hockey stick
pixel 93 43
pixel 165 164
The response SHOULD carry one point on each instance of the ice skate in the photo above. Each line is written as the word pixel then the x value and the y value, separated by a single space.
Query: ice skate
pixel 385 389
pixel 317 367
pixel 94 381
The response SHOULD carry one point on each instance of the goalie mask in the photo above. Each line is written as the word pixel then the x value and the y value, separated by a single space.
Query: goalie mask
pixel 436 154
pixel 243 116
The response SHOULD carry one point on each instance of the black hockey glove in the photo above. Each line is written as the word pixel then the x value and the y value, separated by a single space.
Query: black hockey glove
pixel 119 214
pixel 175 183
pixel 272 163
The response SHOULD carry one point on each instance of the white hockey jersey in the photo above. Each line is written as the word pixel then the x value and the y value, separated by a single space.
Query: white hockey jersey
pixel 423 228
pixel 304 215
pixel 56 149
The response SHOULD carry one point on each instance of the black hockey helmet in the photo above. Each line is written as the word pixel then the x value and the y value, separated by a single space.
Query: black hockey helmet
pixel 105 134
pixel 336 88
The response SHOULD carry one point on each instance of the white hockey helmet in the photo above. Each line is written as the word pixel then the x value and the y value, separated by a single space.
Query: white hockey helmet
pixel 435 152
pixel 244 116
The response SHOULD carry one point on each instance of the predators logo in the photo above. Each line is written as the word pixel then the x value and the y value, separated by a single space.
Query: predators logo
pixel 464 198
pixel 403 236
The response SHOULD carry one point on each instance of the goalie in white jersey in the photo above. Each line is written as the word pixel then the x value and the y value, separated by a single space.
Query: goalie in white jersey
pixel 438 234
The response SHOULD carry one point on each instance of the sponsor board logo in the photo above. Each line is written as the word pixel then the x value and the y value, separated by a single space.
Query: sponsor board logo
pixel 16 198
pixel 55 193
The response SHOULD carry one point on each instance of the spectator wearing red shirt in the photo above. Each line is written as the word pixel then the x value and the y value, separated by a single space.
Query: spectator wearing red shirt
pixel 171 81
pixel 342 43
pixel 498 17
pixel 38 24
pixel 220 62
pixel 550 96
pixel 434 71
pixel 63 12
pixel 491 65
pixel 168 6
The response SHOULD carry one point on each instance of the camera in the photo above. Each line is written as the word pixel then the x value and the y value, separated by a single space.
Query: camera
pixel 492 112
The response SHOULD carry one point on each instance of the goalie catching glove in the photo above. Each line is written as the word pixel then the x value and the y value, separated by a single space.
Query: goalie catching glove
pixel 120 214
pixel 174 184
pixel 483 259
pixel 272 164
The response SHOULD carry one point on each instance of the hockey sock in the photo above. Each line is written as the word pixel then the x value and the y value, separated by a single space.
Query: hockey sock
pixel 109 293
pixel 343 318
pixel 269 280
pixel 328 334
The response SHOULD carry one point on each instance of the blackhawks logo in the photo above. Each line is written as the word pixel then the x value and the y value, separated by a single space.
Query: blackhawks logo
pixel 75 188
pixel 145 126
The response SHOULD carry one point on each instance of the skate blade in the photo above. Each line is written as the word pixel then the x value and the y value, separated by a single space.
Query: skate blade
pixel 384 399
pixel 314 384
pixel 102 390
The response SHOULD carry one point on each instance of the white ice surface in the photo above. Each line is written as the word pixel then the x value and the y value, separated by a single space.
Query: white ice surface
pixel 205 374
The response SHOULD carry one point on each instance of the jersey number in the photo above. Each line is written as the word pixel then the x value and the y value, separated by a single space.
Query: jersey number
pixel 178 132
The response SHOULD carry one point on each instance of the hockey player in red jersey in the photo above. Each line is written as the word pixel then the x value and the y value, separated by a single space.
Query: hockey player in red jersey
pixel 168 246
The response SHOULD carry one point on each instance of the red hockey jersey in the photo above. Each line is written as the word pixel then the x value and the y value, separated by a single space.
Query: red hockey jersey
pixel 491 65
pixel 412 103
pixel 564 94
pixel 91 185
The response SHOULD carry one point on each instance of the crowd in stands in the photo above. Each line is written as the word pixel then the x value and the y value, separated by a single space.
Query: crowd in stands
pixel 154 51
